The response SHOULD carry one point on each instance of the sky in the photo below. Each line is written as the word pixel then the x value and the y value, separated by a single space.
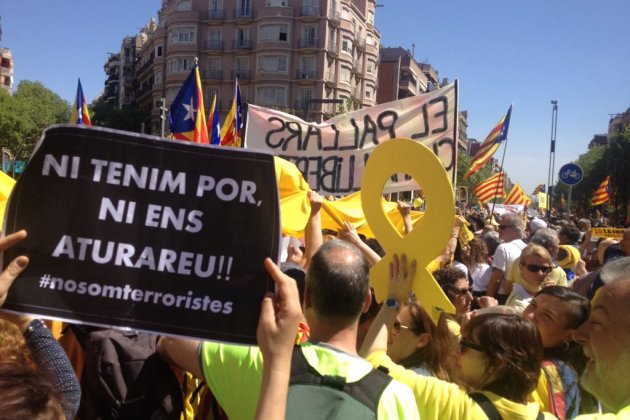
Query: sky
pixel 525 52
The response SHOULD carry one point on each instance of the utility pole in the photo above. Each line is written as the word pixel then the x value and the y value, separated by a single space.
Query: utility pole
pixel 552 154
pixel 163 110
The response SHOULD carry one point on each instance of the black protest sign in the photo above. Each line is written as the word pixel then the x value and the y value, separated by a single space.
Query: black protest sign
pixel 147 233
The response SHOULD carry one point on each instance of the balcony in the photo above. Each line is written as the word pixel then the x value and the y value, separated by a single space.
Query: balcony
pixel 306 43
pixel 360 43
pixel 357 68
pixel 243 14
pixel 242 44
pixel 332 49
pixel 306 74
pixel 216 75
pixel 213 44
pixel 215 15
pixel 335 18
pixel 144 67
pixel 241 74
pixel 310 11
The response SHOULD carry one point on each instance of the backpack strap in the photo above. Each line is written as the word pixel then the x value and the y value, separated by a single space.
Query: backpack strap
pixel 489 409
pixel 367 390
pixel 486 405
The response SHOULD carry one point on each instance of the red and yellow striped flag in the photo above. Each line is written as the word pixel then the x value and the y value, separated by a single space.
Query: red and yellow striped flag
pixel 491 188
pixel 600 196
pixel 517 196
pixel 490 144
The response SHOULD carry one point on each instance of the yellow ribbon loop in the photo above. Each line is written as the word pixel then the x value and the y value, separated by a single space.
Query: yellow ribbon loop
pixel 428 238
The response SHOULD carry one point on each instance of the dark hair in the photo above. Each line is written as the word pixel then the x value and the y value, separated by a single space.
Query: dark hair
pixel 577 309
pixel 26 394
pixel 478 252
pixel 571 232
pixel 514 352
pixel 337 281
pixel 447 277
pixel 437 356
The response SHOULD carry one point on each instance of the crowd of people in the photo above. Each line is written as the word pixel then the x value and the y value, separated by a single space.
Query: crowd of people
pixel 539 330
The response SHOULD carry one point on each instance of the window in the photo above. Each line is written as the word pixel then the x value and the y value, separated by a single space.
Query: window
pixel 271 95
pixel 369 92
pixel 184 5
pixel 241 64
pixel 309 32
pixel 184 35
pixel 371 16
pixel 158 51
pixel 371 66
pixel 242 39
pixel 209 96
pixel 276 3
pixel 272 64
pixel 270 33
pixel 158 77
pixel 370 40
pixel 307 63
pixel 215 5
pixel 214 34
pixel 180 64
pixel 346 44
pixel 345 75
pixel 345 13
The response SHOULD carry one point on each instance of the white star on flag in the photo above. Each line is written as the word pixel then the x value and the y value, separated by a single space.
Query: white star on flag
pixel 190 110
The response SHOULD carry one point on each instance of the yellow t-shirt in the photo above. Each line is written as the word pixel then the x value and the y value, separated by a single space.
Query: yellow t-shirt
pixel 234 374
pixel 623 414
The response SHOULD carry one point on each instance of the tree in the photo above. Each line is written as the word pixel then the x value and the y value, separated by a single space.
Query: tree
pixel 25 115
pixel 105 114
pixel 593 164
pixel 618 161
pixel 463 165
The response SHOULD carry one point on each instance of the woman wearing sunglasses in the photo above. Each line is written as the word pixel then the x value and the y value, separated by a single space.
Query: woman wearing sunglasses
pixel 535 263
pixel 499 362
pixel 416 343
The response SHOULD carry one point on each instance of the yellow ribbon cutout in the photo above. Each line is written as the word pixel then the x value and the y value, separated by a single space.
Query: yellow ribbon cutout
pixel 428 238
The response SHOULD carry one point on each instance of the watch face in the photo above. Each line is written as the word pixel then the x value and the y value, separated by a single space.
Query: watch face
pixel 392 303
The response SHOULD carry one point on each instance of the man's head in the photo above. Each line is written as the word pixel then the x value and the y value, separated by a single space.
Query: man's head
pixel 535 225
pixel 606 340
pixel 548 239
pixel 584 224
pixel 625 242
pixel 337 286
pixel 569 235
pixel 511 228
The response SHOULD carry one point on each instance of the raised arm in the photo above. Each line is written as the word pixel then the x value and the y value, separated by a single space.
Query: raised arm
pixel 405 212
pixel 313 238
pixel 279 319
pixel 349 233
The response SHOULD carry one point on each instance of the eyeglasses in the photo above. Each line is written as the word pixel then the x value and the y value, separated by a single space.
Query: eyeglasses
pixel 545 269
pixel 465 344
pixel 397 326
pixel 462 292
pixel 501 227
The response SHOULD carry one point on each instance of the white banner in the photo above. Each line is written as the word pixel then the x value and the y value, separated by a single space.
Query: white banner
pixel 332 155
pixel 501 209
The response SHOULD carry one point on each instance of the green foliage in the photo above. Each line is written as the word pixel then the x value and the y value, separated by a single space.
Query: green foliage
pixel 618 158
pixel 105 114
pixel 593 164
pixel 463 165
pixel 25 115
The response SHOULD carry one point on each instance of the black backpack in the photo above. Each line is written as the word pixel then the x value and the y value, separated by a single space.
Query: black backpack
pixel 124 377
pixel 316 396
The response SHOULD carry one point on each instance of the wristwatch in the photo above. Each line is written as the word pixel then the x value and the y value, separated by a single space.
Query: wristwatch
pixel 392 303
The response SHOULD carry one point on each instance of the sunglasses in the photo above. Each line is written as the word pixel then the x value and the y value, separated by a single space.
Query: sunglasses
pixel 465 344
pixel 545 269
pixel 463 292
pixel 501 227
pixel 397 326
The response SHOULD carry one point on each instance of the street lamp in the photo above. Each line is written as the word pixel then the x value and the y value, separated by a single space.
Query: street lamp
pixel 552 154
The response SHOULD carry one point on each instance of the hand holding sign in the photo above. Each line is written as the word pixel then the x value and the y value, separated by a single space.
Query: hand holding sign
pixel 17 265
pixel 429 236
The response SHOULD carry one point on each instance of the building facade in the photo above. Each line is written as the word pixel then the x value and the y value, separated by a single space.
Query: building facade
pixel 6 70
pixel 289 54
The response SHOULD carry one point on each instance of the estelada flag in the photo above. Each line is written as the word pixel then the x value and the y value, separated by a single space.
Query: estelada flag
pixel 490 144
pixel 491 188
pixel 232 132
pixel 80 113
pixel 187 114
pixel 600 196
pixel 214 128
pixel 517 196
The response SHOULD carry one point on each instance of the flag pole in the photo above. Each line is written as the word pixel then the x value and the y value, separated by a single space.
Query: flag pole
pixel 494 200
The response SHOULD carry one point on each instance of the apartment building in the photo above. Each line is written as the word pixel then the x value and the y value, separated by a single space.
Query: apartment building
pixel 401 76
pixel 293 55
pixel 6 70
